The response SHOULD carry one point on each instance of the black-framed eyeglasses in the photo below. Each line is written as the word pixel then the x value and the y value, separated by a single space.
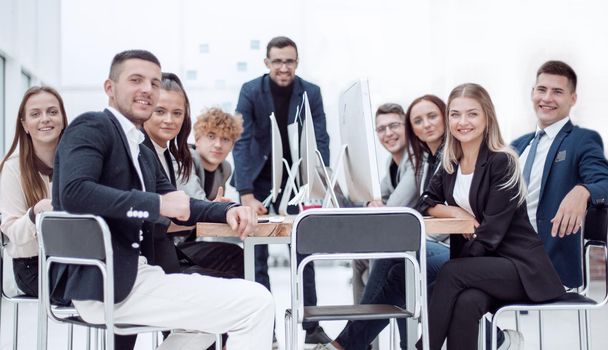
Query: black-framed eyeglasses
pixel 392 126
pixel 277 63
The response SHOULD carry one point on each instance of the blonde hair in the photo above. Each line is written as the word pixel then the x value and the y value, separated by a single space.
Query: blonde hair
pixel 218 121
pixel 452 152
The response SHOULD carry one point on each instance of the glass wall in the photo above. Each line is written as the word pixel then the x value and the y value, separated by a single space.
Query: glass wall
pixel 26 81
pixel 2 99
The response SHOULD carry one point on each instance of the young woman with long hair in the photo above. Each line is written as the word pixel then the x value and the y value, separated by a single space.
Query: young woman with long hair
pixel 167 133
pixel 26 174
pixel 503 261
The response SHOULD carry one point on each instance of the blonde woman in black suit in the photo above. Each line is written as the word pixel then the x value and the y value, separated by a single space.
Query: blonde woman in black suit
pixel 504 260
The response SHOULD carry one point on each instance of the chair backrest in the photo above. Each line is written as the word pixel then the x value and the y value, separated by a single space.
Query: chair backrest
pixel 73 236
pixel 357 230
pixel 596 223
pixel 358 233
pixel 76 239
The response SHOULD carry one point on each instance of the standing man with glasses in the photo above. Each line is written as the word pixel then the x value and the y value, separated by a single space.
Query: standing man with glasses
pixel 279 92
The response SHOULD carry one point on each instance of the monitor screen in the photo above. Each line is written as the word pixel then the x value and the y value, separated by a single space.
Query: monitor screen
pixel 357 133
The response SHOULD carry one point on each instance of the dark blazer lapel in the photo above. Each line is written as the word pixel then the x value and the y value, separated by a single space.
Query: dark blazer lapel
pixel 125 143
pixel 296 100
pixel 147 170
pixel 150 145
pixel 268 103
pixel 552 153
pixel 522 146
pixel 478 176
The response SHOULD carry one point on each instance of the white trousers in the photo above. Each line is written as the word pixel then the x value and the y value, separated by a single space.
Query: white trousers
pixel 243 309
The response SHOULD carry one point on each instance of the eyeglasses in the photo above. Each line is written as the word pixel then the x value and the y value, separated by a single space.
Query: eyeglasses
pixel 224 141
pixel 290 63
pixel 392 126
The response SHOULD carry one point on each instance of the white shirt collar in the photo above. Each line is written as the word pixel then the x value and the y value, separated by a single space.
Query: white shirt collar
pixel 131 131
pixel 552 130
pixel 159 149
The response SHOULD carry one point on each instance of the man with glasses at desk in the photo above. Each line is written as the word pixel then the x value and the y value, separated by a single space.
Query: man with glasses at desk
pixel 279 92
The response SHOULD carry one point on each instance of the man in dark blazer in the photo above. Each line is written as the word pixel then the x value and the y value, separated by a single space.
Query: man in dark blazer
pixel 101 168
pixel 279 92
pixel 568 172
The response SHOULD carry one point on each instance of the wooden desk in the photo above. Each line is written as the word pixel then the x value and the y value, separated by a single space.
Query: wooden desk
pixel 279 233
pixel 283 229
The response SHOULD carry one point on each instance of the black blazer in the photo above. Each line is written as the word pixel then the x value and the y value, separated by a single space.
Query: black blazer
pixel 504 229
pixel 94 174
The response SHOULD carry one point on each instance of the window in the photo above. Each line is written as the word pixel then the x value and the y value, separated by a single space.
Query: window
pixel 191 74
pixel 203 48
pixel 241 66
pixel 26 81
pixel 254 45
pixel 2 99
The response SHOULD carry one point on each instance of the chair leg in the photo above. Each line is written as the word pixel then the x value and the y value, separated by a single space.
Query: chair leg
pixel 392 333
pixel 88 346
pixel 109 340
pixel 481 343
pixel 287 331
pixel 540 330
pixel 218 342
pixel 494 341
pixel 154 340
pixel 15 325
pixel 583 329
pixel 70 336
pixel 42 327
pixel 587 331
pixel 96 338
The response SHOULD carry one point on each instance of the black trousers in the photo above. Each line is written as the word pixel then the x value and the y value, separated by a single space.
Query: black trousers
pixel 216 259
pixel 465 290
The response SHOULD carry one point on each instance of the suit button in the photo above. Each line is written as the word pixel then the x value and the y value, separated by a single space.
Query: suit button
pixel 135 245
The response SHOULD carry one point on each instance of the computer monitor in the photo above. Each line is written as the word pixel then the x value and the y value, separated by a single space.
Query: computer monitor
pixel 311 160
pixel 357 133
pixel 277 158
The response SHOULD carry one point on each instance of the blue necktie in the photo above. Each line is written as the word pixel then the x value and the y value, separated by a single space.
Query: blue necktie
pixel 531 156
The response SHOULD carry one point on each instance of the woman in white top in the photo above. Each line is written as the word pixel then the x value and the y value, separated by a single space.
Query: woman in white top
pixel 25 179
pixel 504 260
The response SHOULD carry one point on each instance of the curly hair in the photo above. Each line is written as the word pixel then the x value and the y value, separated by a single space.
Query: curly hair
pixel 216 120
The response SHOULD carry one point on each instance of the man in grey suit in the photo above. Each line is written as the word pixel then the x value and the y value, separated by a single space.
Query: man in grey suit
pixel 101 168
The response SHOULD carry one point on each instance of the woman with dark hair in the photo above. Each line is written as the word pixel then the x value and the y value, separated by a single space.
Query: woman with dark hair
pixel 425 128
pixel 26 174
pixel 167 133
pixel 420 132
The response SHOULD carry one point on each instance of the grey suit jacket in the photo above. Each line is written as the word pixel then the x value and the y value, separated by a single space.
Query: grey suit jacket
pixel 406 193
pixel 195 185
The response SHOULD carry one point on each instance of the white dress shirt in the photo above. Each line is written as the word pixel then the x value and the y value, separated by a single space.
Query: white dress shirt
pixel 134 137
pixel 536 174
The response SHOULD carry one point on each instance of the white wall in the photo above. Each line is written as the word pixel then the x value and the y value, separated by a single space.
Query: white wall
pixel 29 42
pixel 405 48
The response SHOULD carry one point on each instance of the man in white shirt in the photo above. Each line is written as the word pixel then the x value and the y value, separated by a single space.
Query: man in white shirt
pixel 101 168
pixel 565 169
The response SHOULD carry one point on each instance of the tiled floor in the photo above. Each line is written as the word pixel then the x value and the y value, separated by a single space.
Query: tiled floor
pixel 333 287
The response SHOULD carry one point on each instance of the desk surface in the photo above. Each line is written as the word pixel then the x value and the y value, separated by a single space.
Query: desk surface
pixel 283 229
